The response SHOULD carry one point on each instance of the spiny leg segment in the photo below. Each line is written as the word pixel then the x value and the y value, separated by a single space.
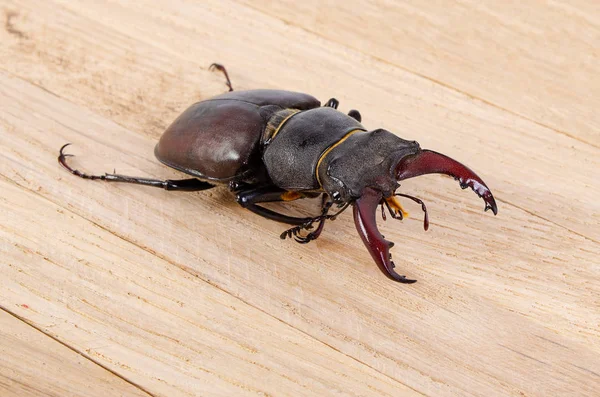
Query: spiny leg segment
pixel 188 185
pixel 295 231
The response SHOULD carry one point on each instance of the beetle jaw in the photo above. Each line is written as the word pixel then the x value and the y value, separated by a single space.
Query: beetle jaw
pixel 430 162
pixel 364 209
pixel 419 162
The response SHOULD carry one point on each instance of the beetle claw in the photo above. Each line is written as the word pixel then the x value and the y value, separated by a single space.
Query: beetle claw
pixel 305 240
pixel 286 234
pixel 295 231
pixel 292 232
pixel 63 162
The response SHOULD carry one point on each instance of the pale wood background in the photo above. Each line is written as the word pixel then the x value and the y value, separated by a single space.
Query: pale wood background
pixel 125 290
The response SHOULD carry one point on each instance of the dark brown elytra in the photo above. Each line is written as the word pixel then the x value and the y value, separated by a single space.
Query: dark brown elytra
pixel 273 145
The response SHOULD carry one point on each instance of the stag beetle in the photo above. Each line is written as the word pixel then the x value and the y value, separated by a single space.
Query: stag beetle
pixel 273 145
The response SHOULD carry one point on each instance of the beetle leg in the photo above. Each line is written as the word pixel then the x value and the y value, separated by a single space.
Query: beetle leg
pixel 317 232
pixel 332 103
pixel 221 68
pixel 188 185
pixel 321 219
pixel 249 199
pixel 295 231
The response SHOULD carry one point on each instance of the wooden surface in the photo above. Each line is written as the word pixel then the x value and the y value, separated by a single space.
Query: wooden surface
pixel 126 290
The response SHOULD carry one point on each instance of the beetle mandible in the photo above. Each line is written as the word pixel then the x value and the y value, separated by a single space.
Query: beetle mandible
pixel 274 145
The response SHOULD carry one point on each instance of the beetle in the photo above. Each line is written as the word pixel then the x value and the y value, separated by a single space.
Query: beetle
pixel 275 145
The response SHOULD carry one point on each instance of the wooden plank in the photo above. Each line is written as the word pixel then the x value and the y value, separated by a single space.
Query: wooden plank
pixel 151 322
pixel 514 311
pixel 453 321
pixel 537 60
pixel 33 364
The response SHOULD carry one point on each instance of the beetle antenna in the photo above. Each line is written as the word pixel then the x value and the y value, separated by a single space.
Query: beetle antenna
pixel 423 207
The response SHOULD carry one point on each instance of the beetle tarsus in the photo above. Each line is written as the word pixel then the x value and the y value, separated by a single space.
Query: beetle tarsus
pixel 237 186
pixel 295 231
pixel 265 194
pixel 221 68
pixel 62 160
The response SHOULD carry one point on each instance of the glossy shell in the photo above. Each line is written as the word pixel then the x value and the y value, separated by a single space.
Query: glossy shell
pixel 219 138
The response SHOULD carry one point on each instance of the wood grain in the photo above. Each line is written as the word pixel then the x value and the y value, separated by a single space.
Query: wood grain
pixel 188 294
pixel 32 364
pixel 536 60
pixel 158 325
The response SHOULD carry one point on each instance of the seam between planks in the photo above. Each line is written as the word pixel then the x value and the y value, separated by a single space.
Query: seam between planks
pixel 187 271
pixel 421 75
pixel 73 349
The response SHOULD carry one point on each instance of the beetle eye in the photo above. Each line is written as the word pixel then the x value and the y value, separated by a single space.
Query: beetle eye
pixel 336 196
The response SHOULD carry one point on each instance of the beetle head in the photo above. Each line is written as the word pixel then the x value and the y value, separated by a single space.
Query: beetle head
pixel 363 159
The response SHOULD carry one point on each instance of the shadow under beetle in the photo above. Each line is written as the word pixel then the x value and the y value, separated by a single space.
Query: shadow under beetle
pixel 273 145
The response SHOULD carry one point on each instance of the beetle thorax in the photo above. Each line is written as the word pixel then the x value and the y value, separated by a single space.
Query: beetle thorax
pixel 292 152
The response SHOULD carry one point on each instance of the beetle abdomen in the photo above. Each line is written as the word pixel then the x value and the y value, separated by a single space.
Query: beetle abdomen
pixel 292 156
pixel 218 139
pixel 212 139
